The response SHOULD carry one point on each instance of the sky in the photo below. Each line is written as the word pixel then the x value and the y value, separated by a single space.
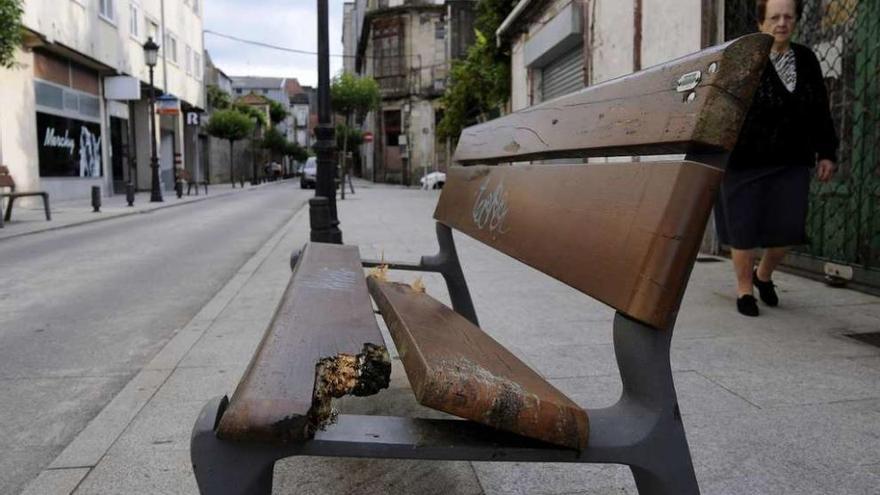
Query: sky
pixel 286 23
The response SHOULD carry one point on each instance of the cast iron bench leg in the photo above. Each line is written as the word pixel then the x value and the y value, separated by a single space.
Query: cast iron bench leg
pixel 228 468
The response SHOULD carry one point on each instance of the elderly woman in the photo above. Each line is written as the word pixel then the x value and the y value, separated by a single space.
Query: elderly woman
pixel 788 130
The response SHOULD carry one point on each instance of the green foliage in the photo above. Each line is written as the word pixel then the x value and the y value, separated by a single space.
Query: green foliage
pixel 354 96
pixel 230 124
pixel 274 141
pixel 10 31
pixel 295 151
pixel 251 112
pixel 277 112
pixel 479 85
pixel 355 137
pixel 217 98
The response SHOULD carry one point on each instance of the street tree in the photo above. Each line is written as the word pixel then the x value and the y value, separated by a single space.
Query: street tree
pixel 295 152
pixel 479 85
pixel 274 142
pixel 10 31
pixel 353 97
pixel 217 98
pixel 231 125
pixel 277 112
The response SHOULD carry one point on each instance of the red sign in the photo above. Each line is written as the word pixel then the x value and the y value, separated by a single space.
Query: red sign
pixel 368 137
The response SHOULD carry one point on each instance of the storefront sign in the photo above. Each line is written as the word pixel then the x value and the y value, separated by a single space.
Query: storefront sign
pixel 167 105
pixel 122 88
pixel 68 147
pixel 193 118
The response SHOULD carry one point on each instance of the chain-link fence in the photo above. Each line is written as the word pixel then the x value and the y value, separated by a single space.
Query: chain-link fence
pixel 844 219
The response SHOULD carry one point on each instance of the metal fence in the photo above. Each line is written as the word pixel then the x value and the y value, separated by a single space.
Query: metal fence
pixel 844 219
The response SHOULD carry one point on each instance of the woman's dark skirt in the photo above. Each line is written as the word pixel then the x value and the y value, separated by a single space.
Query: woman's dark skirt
pixel 763 207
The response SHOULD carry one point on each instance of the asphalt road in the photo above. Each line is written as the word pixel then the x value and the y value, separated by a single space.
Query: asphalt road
pixel 82 309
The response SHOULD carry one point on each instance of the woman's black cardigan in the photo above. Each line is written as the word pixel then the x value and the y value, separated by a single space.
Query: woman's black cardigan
pixel 788 129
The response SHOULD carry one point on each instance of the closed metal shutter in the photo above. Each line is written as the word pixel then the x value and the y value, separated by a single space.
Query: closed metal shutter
pixel 563 75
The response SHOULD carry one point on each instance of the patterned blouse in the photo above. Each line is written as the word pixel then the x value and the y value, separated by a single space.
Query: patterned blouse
pixel 785 67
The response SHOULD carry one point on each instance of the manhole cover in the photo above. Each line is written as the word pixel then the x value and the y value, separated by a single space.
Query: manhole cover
pixel 872 338
pixel 708 259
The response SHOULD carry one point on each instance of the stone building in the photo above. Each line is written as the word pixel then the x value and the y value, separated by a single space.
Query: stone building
pixel 406 46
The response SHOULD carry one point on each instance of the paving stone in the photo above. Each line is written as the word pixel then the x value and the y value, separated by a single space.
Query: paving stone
pixel 308 475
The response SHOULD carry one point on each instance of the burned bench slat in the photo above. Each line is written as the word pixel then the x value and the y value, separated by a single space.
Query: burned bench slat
pixel 323 342
pixel 455 367
pixel 636 226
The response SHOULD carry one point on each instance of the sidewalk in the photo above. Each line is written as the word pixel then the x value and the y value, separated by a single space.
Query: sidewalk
pixel 32 219
pixel 780 404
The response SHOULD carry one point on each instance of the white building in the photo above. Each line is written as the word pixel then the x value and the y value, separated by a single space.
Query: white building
pixel 76 111
pixel 560 46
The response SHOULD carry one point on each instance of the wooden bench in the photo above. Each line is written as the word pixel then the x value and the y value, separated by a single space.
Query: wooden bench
pixel 6 181
pixel 624 233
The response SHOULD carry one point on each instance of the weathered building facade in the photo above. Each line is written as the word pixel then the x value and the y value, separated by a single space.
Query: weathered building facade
pixel 76 105
pixel 407 47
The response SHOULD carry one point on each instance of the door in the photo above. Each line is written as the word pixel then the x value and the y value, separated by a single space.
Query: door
pixel 166 163
pixel 120 154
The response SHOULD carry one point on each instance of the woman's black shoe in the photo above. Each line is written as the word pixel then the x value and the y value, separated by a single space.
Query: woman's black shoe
pixel 747 305
pixel 766 290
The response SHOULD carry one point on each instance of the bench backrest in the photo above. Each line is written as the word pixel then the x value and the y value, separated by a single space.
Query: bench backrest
pixel 6 179
pixel 624 233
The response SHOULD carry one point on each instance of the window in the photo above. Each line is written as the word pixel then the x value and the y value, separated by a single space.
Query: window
pixel 197 69
pixel 196 6
pixel 134 21
pixel 171 47
pixel 153 32
pixel 107 9
pixel 188 60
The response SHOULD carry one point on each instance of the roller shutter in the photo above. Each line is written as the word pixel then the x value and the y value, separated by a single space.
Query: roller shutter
pixel 563 75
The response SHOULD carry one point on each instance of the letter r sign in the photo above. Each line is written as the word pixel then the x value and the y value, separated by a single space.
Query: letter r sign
pixel 192 118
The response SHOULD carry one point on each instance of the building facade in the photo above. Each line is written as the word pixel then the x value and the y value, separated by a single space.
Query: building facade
pixel 76 108
pixel 407 47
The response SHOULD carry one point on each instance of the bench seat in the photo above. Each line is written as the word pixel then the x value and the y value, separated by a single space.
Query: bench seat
pixel 455 367
pixel 323 342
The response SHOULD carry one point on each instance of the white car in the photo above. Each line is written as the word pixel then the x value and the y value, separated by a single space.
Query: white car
pixel 309 173
pixel 434 180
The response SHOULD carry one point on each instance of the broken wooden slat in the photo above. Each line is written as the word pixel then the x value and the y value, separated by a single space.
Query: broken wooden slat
pixel 650 112
pixel 323 342
pixel 624 233
pixel 455 367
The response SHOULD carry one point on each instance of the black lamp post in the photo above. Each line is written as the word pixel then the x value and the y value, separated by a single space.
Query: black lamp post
pixel 151 56
pixel 324 222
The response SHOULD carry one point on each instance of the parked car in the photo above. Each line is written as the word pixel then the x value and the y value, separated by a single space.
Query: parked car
pixel 309 173
pixel 434 180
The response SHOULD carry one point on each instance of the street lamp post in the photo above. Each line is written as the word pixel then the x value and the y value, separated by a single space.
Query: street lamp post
pixel 151 56
pixel 324 222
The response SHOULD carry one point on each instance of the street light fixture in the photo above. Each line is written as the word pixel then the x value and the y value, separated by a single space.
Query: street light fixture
pixel 151 56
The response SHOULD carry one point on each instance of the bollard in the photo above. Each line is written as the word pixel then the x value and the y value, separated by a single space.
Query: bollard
pixel 96 198
pixel 178 186
pixel 129 193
